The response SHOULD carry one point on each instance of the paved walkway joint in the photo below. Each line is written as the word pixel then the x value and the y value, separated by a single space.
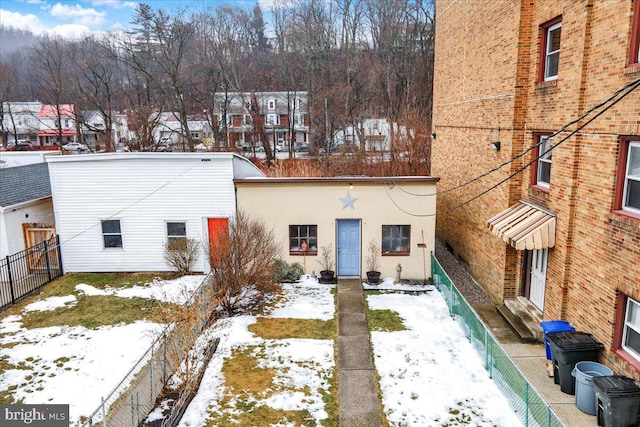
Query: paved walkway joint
pixel 359 402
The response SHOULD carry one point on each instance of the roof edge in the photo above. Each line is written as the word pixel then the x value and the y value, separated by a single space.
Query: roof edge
pixel 338 179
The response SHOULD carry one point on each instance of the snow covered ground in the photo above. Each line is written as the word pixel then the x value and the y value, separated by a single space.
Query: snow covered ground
pixel 430 374
pixel 76 365
pixel 300 364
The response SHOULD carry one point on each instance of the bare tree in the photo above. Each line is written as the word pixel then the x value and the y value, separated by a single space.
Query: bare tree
pixel 242 260
pixel 158 50
pixel 52 77
pixel 95 60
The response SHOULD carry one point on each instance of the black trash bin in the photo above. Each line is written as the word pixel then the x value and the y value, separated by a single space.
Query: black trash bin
pixel 569 348
pixel 553 326
pixel 617 401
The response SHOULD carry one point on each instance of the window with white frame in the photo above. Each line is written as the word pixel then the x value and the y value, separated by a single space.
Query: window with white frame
pixel 631 191
pixel 544 161
pixel 272 119
pixel 271 104
pixel 111 233
pixel 631 329
pixel 551 50
pixel 176 230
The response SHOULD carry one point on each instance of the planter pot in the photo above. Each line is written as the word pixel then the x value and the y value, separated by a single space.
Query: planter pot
pixel 373 277
pixel 326 276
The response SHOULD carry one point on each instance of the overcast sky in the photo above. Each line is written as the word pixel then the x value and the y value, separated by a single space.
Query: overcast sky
pixel 70 18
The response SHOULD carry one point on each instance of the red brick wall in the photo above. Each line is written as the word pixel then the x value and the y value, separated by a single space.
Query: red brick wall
pixel 486 75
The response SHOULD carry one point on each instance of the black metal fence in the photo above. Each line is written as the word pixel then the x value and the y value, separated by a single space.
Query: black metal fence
pixel 28 270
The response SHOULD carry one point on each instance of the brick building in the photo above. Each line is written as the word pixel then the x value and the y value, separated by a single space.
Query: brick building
pixel 284 116
pixel 557 234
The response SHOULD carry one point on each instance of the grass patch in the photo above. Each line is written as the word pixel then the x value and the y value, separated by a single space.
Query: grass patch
pixel 243 375
pixel 384 320
pixel 277 329
pixel 246 384
pixel 93 311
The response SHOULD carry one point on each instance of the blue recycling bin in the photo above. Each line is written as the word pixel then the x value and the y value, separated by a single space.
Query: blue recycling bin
pixel 554 326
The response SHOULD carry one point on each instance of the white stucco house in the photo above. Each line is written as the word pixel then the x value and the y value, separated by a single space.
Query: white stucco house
pixel 346 214
pixel 26 210
pixel 115 212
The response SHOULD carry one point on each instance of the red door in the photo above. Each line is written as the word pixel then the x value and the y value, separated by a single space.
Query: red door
pixel 216 226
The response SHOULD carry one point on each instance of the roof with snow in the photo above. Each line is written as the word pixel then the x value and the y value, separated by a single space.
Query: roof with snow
pixel 24 183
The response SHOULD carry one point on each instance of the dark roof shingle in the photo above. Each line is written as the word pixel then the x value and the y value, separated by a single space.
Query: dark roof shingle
pixel 23 183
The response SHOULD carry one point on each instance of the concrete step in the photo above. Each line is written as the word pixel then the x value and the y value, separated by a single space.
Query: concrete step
pixel 517 324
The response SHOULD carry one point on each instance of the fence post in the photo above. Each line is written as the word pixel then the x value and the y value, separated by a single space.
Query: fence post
pixel 526 404
pixel 104 412
pixel 46 257
pixel 59 254
pixel 164 359
pixel 13 295
pixel 152 361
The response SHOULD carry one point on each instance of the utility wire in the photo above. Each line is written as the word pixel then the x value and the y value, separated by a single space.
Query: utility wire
pixel 133 204
pixel 632 85
pixel 629 88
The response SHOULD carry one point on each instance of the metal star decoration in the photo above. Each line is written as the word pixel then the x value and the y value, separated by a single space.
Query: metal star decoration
pixel 348 201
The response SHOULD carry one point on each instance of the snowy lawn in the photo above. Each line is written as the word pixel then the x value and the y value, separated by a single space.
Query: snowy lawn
pixel 276 369
pixel 430 375
pixel 73 343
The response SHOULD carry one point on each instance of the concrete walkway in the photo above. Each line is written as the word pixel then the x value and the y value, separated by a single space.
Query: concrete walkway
pixel 360 405
pixel 532 361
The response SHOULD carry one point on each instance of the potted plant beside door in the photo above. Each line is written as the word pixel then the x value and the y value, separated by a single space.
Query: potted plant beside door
pixel 373 263
pixel 326 262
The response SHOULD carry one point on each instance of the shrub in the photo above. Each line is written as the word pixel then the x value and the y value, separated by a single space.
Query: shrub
pixel 181 254
pixel 326 257
pixel 288 272
pixel 373 260
pixel 242 261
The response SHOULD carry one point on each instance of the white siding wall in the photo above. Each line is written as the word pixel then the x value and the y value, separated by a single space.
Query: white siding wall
pixel 143 193
pixel 11 220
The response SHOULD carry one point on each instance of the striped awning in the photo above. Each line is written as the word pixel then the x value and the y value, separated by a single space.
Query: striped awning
pixel 525 226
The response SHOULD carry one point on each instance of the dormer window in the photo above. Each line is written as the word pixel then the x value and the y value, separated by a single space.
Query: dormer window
pixel 271 104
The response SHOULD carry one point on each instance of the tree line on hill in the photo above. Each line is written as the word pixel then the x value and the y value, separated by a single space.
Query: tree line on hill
pixel 357 59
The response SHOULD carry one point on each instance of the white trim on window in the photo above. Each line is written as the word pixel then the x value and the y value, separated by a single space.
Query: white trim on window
pixel 543 178
pixel 175 230
pixel 552 53
pixel 631 329
pixel 112 236
pixel 632 178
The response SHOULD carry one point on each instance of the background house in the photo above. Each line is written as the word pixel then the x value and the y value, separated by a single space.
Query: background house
pixel 347 213
pixel 20 121
pixel 558 240
pixel 57 126
pixel 117 211
pixel 284 115
pixel 26 209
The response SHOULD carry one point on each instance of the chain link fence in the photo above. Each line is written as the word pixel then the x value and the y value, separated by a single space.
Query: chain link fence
pixel 129 403
pixel 523 398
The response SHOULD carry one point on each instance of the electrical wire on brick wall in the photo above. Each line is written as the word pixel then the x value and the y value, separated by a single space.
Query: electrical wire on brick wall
pixel 630 86
pixel 619 94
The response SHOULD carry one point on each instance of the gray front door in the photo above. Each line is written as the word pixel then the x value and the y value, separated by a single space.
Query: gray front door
pixel 348 247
